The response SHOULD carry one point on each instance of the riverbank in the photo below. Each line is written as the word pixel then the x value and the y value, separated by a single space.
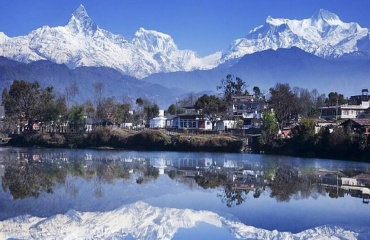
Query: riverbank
pixel 148 139
pixel 332 147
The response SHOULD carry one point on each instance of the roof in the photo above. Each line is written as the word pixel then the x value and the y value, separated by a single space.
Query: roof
pixel 170 117
pixel 361 122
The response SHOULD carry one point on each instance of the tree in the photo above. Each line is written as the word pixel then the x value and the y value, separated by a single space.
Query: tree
pixel 89 109
pixel 211 105
pixel 76 117
pixel 188 101
pixel 98 97
pixel 28 100
pixel 231 86
pixel 257 93
pixel 269 127
pixel 172 109
pixel 151 110
pixel 335 99
pixel 71 92
pixel 107 108
pixel 147 110
pixel 123 112
pixel 140 102
pixel 306 128
pixel 282 100
pixel 305 105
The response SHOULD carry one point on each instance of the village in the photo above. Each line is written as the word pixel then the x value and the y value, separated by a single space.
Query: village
pixel 288 121
pixel 244 112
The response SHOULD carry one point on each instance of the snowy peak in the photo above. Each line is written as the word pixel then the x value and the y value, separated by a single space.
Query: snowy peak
pixel 323 35
pixel 80 12
pixel 324 19
pixel 143 221
pixel 326 16
pixel 80 22
pixel 275 21
pixel 82 43
pixel 153 41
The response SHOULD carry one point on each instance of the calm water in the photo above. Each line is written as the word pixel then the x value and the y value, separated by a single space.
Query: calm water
pixel 269 192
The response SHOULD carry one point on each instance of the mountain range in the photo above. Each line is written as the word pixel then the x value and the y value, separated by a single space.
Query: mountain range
pixel 121 87
pixel 143 221
pixel 266 68
pixel 320 52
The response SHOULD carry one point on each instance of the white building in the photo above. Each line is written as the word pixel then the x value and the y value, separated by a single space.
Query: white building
pixel 158 122
pixel 248 109
pixel 344 111
pixel 222 125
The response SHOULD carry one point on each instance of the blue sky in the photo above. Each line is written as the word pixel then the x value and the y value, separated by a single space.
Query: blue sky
pixel 205 26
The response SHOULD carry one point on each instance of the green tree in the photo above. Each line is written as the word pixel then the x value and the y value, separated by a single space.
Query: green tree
pixel 335 99
pixel 123 112
pixel 211 105
pixel 283 102
pixel 29 100
pixel 76 117
pixel 231 86
pixel 151 110
pixel 306 128
pixel 269 127
pixel 140 102
pixel 257 93
pixel 172 109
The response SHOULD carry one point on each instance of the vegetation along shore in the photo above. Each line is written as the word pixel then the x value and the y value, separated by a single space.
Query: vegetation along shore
pixel 284 121
pixel 130 140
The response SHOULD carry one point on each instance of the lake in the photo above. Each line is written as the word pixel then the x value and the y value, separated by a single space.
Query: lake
pixel 94 194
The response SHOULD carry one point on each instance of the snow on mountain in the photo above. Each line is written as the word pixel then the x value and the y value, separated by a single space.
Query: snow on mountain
pixel 82 43
pixel 323 35
pixel 143 221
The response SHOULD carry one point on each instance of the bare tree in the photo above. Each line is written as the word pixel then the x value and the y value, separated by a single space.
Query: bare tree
pixel 71 91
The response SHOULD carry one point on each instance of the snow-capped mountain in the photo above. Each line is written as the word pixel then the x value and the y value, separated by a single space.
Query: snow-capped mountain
pixel 82 43
pixel 323 35
pixel 143 221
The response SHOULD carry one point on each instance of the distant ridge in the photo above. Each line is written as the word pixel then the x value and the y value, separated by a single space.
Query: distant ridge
pixel 122 88
pixel 266 68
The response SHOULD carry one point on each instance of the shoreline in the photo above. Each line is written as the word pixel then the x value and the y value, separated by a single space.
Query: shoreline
pixel 115 139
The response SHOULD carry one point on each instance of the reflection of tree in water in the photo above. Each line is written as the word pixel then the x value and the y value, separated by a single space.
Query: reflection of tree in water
pixel 106 173
pixel 71 187
pixel 211 179
pixel 26 178
pixel 289 182
pixel 146 174
pixel 34 175
pixel 98 189
pixel 335 192
pixel 285 184
pixel 231 196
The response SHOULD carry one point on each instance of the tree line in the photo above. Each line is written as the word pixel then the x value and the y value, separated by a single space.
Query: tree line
pixel 29 102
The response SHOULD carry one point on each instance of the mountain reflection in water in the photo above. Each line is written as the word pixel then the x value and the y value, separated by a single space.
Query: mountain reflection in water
pixel 44 182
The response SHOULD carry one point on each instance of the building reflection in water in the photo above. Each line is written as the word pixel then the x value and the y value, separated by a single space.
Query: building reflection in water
pixel 28 173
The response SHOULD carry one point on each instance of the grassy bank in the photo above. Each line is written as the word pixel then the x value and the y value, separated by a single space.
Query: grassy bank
pixel 131 140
